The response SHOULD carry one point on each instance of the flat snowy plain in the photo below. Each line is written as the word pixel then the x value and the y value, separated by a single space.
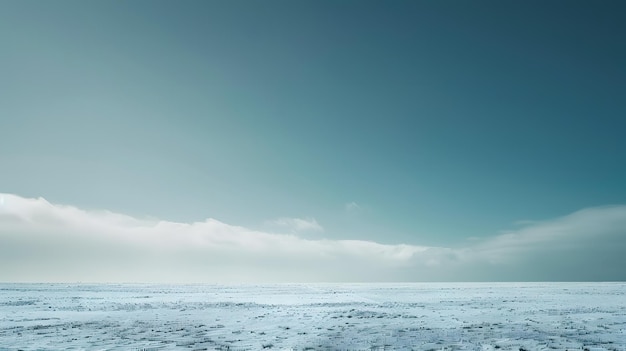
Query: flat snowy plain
pixel 477 316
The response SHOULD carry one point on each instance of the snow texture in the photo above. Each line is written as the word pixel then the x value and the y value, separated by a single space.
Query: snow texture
pixel 485 316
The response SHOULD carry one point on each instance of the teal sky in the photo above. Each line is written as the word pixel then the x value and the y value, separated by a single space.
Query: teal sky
pixel 438 120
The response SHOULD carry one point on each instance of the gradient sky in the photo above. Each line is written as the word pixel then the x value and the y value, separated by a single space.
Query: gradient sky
pixel 425 123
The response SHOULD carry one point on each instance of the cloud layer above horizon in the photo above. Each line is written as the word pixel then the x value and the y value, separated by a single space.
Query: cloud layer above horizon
pixel 40 241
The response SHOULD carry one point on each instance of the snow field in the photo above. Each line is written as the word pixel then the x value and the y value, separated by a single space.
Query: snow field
pixel 454 316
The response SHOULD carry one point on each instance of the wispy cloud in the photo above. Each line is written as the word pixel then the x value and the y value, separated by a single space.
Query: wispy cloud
pixel 40 241
pixel 352 207
pixel 297 224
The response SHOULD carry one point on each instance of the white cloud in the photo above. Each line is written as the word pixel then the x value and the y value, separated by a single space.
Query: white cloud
pixel 352 207
pixel 297 224
pixel 40 241
pixel 583 229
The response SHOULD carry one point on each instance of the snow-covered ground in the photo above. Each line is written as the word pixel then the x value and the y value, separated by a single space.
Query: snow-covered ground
pixel 502 316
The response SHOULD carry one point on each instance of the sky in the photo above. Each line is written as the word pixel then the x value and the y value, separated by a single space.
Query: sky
pixel 237 141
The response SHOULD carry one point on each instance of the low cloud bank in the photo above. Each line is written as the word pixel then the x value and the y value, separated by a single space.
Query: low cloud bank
pixel 40 241
pixel 297 224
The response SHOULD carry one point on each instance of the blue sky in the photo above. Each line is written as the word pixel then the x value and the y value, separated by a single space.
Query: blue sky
pixel 409 122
